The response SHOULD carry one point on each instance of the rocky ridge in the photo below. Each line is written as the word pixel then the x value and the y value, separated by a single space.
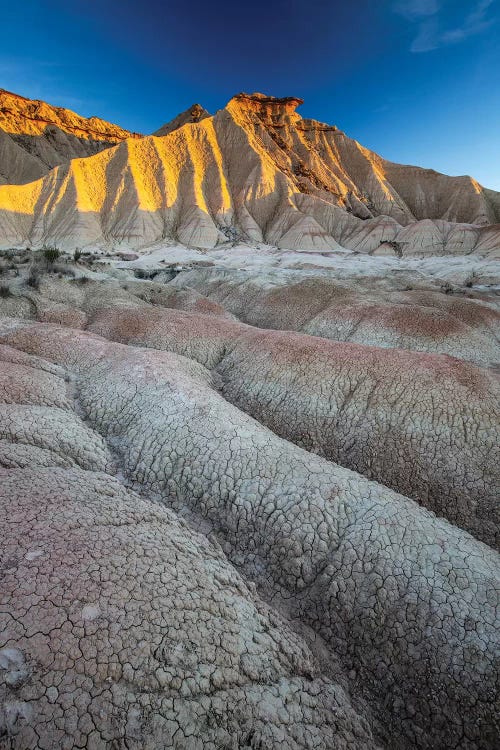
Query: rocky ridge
pixel 195 113
pixel 255 171
pixel 48 135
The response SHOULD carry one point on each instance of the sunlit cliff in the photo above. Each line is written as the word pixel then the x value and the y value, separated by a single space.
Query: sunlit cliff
pixel 258 172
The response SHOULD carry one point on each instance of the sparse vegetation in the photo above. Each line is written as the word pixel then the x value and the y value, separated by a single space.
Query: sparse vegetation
pixel 143 273
pixel 447 288
pixel 396 246
pixel 34 279
pixel 469 283
pixel 62 270
pixel 5 291
pixel 51 254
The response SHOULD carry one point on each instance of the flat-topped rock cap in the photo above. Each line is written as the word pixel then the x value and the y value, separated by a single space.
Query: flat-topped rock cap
pixel 265 99
pixel 260 102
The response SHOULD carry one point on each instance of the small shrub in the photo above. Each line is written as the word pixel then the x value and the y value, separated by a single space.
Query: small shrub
pixel 469 282
pixel 33 279
pixel 145 273
pixel 83 280
pixel 62 270
pixel 77 255
pixel 447 288
pixel 51 254
pixel 396 246
pixel 5 291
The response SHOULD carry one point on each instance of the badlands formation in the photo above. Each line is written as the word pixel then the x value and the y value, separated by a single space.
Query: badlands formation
pixel 35 137
pixel 249 440
pixel 254 172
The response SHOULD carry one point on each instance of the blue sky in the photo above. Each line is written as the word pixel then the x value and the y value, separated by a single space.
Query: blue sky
pixel 418 81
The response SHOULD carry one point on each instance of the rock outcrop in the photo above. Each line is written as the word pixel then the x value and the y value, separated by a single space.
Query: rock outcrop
pixel 46 136
pixel 195 113
pixel 258 172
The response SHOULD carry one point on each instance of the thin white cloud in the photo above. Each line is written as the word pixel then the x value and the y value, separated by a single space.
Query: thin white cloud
pixel 416 9
pixel 431 35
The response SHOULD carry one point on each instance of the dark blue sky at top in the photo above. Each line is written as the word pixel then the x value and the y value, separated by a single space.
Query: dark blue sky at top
pixel 418 81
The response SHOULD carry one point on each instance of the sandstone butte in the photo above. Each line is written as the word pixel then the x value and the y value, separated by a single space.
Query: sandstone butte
pixel 255 171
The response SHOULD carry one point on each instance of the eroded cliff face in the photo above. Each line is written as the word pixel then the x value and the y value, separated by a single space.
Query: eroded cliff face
pixel 271 110
pixel 255 172
pixel 324 159
pixel 22 116
pixel 48 136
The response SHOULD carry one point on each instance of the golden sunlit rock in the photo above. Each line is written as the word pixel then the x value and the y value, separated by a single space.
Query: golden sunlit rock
pixel 255 171
pixel 35 137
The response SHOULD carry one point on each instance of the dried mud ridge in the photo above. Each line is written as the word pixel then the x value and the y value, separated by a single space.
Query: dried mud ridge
pixel 220 536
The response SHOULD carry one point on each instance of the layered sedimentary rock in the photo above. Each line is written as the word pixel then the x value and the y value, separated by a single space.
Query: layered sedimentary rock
pixel 405 312
pixel 258 172
pixel 35 137
pixel 427 426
